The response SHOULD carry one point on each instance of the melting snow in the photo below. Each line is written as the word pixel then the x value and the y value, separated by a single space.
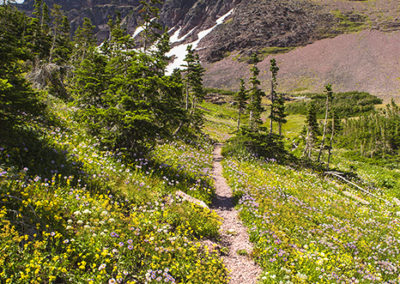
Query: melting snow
pixel 180 51
pixel 137 31
pixel 175 37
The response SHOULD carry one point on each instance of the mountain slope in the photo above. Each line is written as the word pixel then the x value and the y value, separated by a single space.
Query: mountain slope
pixel 271 27
pixel 365 61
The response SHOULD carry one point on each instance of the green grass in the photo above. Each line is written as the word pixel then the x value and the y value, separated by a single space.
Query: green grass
pixel 347 24
pixel 71 212
pixel 308 228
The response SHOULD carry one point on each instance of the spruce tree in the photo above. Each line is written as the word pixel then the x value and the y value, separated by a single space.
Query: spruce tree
pixel 312 130
pixel 193 86
pixel 123 95
pixel 255 94
pixel 150 14
pixel 84 40
pixel 241 100
pixel 334 131
pixel 274 107
pixel 277 101
pixel 18 102
pixel 329 98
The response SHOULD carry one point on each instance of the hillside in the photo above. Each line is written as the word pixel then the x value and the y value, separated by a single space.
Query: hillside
pixel 114 168
pixel 354 61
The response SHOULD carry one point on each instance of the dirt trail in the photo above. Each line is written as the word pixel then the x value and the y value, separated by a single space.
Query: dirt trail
pixel 234 235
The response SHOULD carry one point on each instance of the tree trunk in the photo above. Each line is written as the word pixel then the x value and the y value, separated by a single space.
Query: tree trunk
pixel 187 97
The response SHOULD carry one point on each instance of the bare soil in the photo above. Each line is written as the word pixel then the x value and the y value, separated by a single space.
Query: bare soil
pixel 234 235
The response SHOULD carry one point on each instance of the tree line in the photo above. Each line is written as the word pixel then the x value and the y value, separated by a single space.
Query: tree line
pixel 119 91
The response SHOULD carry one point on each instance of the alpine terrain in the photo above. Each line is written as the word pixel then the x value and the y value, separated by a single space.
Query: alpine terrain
pixel 198 141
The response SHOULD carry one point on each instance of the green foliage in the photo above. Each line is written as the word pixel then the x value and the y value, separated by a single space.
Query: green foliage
pixel 193 84
pixel 349 22
pixel 255 94
pixel 84 40
pixel 123 95
pixel 344 104
pixel 277 113
pixel 250 143
pixel 18 102
pixel 375 134
pixel 308 229
pixel 241 100
pixel 311 131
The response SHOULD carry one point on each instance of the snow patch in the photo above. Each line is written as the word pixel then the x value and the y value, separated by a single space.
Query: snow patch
pixel 137 31
pixel 175 37
pixel 180 51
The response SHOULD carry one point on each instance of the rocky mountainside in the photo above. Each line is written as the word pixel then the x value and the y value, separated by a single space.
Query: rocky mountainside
pixel 226 32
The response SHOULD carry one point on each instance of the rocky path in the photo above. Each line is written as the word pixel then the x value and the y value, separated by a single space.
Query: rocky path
pixel 234 235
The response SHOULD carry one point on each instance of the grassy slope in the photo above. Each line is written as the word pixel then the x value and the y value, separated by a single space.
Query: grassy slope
pixel 71 212
pixel 309 229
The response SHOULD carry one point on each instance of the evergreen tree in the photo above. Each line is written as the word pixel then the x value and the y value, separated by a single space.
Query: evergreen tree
pixel 329 98
pixel 255 94
pixel 84 40
pixel 193 86
pixel 241 99
pixel 123 95
pixel 312 130
pixel 277 101
pixel 18 102
pixel 61 46
pixel 152 29
pixel 334 130
pixel 273 113
pixel 38 34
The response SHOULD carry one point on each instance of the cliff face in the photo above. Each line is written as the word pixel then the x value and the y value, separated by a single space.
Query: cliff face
pixel 263 26
pixel 98 11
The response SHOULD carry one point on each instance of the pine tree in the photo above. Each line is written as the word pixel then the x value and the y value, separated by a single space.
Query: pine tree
pixel 39 32
pixel 277 101
pixel 193 86
pixel 312 130
pixel 329 98
pixel 150 14
pixel 335 130
pixel 255 94
pixel 123 95
pixel 61 46
pixel 273 113
pixel 84 40
pixel 241 99
pixel 18 102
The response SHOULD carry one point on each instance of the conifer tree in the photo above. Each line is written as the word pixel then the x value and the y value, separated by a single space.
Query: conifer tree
pixel 255 94
pixel 334 130
pixel 277 101
pixel 241 99
pixel 194 91
pixel 84 40
pixel 312 130
pixel 39 32
pixel 61 46
pixel 274 112
pixel 18 102
pixel 123 95
pixel 329 98
pixel 150 14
